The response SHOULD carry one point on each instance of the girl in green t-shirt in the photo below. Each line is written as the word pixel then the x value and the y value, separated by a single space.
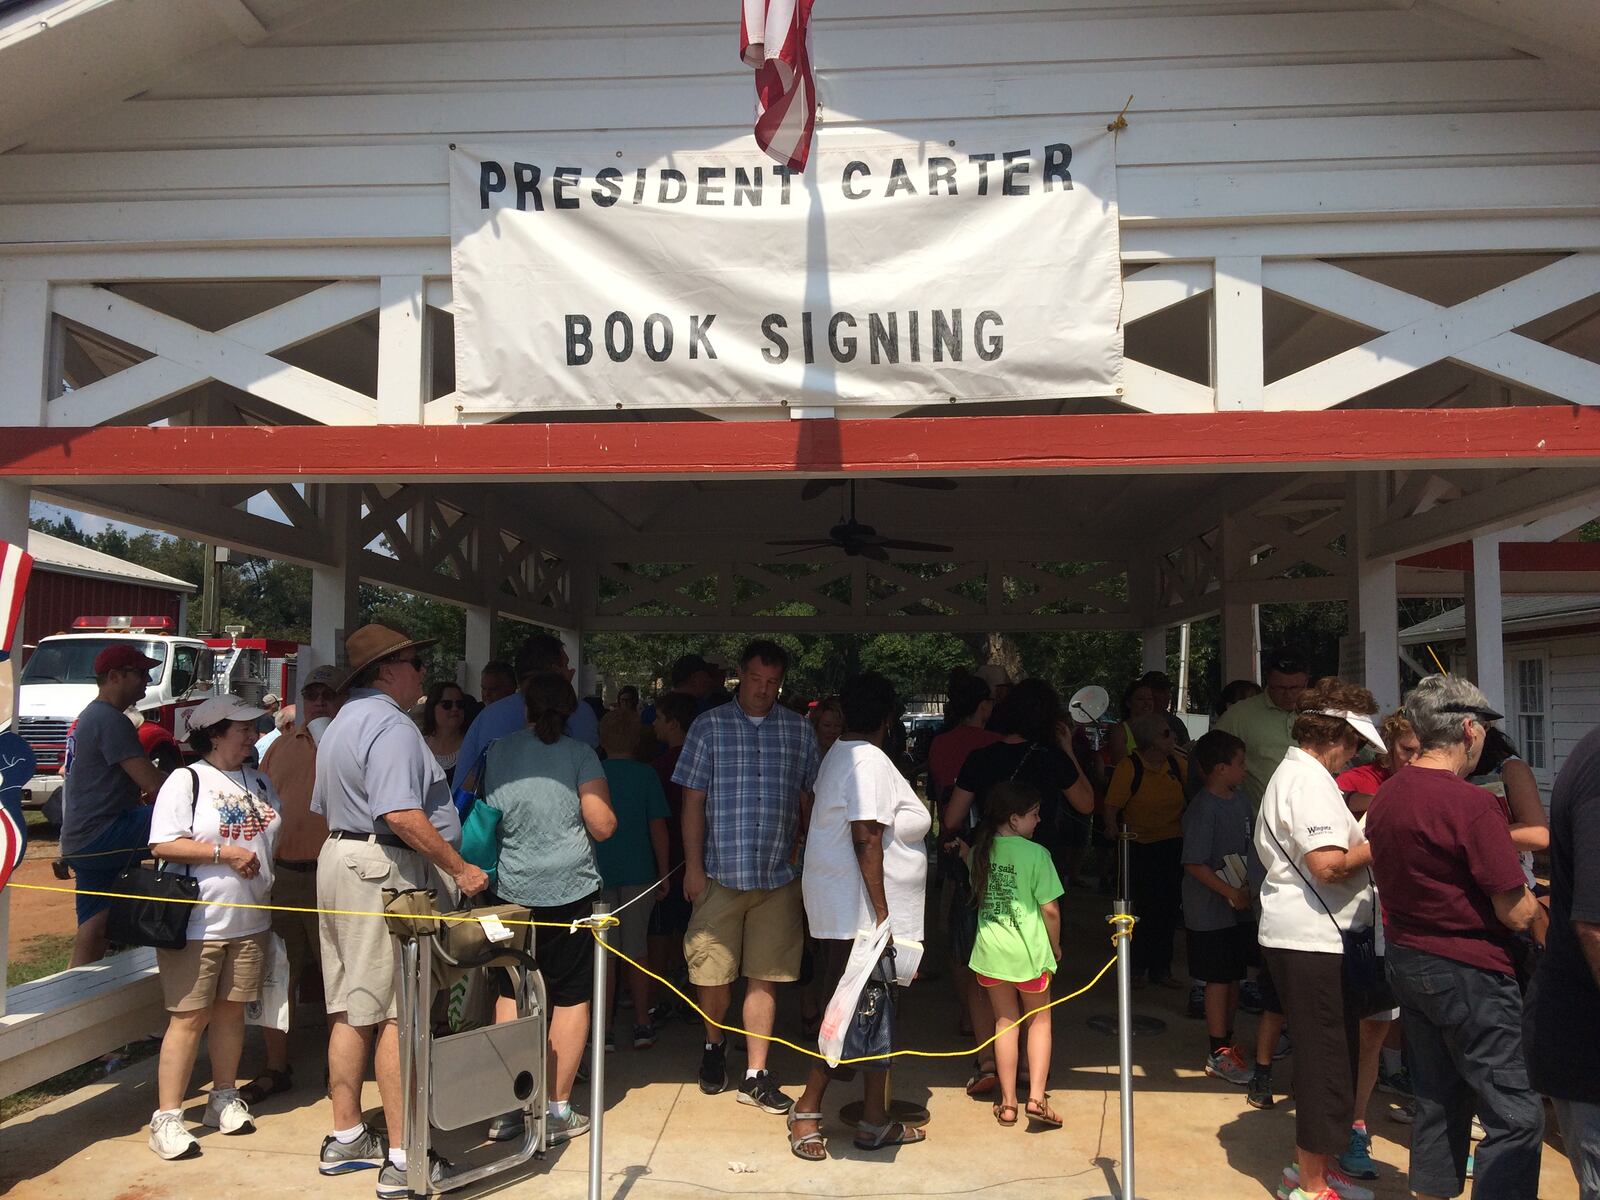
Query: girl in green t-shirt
pixel 1015 886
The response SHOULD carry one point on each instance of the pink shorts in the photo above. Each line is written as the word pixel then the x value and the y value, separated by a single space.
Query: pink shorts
pixel 1041 984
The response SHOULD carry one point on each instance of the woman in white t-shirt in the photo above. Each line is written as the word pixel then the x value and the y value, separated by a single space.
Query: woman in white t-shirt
pixel 1318 887
pixel 219 821
pixel 866 863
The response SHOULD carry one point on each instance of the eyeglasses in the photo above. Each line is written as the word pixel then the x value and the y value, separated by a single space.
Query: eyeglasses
pixel 452 705
pixel 413 661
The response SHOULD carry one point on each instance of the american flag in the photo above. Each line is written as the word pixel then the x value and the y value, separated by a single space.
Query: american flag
pixel 16 768
pixel 775 39
pixel 15 566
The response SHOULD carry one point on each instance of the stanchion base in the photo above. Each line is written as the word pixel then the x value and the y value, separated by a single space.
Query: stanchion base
pixel 913 1116
pixel 1106 1023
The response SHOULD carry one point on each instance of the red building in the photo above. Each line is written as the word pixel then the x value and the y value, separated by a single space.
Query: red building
pixel 71 581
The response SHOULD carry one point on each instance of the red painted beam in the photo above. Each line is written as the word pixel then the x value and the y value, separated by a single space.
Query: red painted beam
pixel 1515 556
pixel 1335 439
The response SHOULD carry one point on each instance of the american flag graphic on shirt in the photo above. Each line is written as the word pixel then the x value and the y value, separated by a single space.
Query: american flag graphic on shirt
pixel 243 817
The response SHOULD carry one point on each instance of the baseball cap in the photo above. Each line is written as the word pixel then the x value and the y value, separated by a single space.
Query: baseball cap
pixel 121 658
pixel 223 708
pixel 272 698
pixel 327 675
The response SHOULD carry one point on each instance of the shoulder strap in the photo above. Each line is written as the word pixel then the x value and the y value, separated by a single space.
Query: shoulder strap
pixel 1309 885
pixel 1138 774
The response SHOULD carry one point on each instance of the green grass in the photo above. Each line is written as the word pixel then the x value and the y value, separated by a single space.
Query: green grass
pixel 41 955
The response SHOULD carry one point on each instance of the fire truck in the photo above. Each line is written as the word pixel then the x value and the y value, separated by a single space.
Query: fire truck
pixel 57 683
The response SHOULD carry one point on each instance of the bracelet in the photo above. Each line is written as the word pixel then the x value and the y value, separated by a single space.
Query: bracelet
pixel 216 855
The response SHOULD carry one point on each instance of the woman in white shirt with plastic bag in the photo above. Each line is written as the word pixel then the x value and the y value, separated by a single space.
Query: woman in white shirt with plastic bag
pixel 1318 927
pixel 866 863
pixel 219 821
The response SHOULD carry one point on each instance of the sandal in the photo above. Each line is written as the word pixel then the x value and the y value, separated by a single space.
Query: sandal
pixel 269 1083
pixel 1000 1111
pixel 983 1081
pixel 798 1144
pixel 1041 1112
pixel 876 1137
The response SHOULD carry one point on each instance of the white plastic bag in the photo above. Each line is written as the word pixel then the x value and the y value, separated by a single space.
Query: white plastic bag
pixel 864 955
pixel 272 1010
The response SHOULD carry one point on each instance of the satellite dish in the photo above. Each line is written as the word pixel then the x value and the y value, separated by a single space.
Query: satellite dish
pixel 1088 704
pixel 317 727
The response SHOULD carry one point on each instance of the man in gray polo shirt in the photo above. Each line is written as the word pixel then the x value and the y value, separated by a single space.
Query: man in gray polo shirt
pixel 391 823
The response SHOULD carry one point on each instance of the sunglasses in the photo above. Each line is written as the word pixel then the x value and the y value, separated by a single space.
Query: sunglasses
pixel 452 705
pixel 413 661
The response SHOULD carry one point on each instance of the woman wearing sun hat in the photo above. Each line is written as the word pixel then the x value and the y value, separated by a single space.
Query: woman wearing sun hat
pixel 1318 927
pixel 218 820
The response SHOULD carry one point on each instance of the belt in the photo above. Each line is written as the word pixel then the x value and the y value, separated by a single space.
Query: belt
pixel 381 839
pixel 306 867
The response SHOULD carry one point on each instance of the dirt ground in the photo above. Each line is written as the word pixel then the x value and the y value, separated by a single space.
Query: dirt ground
pixel 38 913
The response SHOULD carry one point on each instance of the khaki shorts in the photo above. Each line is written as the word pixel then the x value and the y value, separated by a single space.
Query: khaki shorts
pixel 758 934
pixel 204 972
pixel 302 943
pixel 358 963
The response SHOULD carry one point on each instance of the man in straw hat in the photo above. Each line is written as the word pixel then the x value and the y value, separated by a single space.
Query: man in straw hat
pixel 391 823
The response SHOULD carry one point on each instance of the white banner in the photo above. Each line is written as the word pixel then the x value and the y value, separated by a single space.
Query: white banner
pixel 893 272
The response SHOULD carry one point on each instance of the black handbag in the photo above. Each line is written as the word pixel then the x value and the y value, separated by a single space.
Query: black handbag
pixel 870 1034
pixel 155 913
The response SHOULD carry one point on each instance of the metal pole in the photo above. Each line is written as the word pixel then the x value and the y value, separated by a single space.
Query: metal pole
pixel 1122 908
pixel 597 1059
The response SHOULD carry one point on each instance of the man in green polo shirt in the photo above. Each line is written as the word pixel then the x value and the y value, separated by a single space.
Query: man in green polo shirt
pixel 1264 722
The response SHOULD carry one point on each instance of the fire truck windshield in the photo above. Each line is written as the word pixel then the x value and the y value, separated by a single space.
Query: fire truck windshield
pixel 71 660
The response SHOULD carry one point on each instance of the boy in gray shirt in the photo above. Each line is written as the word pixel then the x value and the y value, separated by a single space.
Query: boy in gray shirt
pixel 1216 894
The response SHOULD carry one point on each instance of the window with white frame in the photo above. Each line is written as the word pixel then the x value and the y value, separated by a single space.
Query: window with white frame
pixel 1531 711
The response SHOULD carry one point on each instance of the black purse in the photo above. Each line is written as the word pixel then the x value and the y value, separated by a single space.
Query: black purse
pixel 870 1034
pixel 155 913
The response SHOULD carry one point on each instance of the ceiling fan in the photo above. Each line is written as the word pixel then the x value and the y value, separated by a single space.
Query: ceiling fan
pixel 856 539
pixel 816 487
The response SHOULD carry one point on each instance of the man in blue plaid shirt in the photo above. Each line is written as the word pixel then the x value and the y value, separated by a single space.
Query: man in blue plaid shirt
pixel 746 771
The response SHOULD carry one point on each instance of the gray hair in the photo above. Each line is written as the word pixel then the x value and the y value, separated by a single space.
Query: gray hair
pixel 1148 728
pixel 1436 705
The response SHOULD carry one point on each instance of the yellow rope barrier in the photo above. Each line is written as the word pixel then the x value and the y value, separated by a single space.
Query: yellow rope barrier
pixel 594 924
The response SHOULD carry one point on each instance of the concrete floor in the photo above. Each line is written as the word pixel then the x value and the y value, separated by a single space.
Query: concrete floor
pixel 664 1140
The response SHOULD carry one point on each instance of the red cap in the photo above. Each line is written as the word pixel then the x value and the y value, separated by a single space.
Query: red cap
pixel 117 658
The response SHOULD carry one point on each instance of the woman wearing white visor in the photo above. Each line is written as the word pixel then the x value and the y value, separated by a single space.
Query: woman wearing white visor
pixel 1317 927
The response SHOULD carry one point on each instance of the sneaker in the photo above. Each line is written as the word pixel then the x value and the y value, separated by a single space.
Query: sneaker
pixel 1396 1084
pixel 225 1111
pixel 1356 1161
pixel 714 1068
pixel 661 1012
pixel 644 1037
pixel 564 1129
pixel 366 1153
pixel 1229 1066
pixel 506 1126
pixel 611 1041
pixel 170 1139
pixel 1288 1193
pixel 1284 1047
pixel 392 1183
pixel 760 1091
pixel 1197 1002
pixel 1340 1184
pixel 1404 1112
pixel 1260 1093
pixel 1250 996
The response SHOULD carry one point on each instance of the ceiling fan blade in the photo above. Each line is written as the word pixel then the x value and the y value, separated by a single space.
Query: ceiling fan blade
pixel 802 542
pixel 815 487
pixel 806 549
pixel 901 544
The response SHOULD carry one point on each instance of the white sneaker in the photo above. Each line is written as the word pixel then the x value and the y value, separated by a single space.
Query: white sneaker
pixel 225 1111
pixel 169 1138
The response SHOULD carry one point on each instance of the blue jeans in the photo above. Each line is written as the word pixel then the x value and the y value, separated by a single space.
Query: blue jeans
pixel 1580 1132
pixel 1463 1029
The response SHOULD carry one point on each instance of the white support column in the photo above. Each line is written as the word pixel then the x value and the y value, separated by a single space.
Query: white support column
pixel 1485 641
pixel 1375 598
pixel 24 352
pixel 480 643
pixel 334 589
pixel 13 529
pixel 1154 640
pixel 1241 625
pixel 402 349
pixel 572 641
pixel 1237 347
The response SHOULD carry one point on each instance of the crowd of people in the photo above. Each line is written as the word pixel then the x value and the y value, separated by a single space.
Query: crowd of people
pixel 1364 883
